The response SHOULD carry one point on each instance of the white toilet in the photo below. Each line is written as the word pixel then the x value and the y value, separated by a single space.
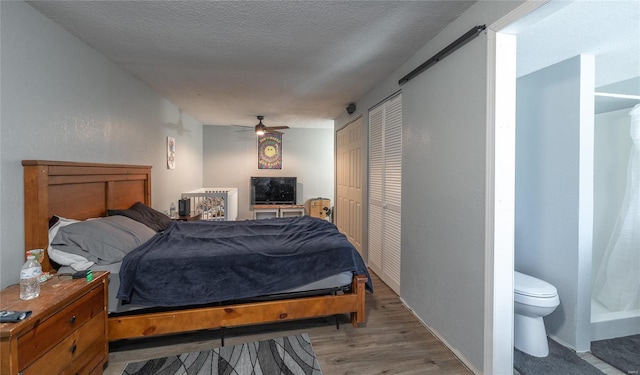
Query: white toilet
pixel 533 299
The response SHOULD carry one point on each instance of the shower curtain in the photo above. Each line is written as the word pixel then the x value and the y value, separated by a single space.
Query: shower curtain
pixel 617 284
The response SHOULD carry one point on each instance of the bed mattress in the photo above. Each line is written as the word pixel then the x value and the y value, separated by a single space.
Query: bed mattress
pixel 339 280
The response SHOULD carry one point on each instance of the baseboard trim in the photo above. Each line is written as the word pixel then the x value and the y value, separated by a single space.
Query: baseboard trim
pixel 455 352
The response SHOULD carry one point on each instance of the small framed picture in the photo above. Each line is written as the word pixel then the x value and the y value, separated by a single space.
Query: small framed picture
pixel 171 153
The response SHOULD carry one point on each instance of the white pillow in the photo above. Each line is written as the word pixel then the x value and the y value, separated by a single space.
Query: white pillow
pixel 77 262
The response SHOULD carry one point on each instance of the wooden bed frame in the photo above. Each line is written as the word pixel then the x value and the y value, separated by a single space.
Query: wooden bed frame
pixel 83 190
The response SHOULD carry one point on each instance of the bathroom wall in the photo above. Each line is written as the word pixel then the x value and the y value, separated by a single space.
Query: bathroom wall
pixel 554 189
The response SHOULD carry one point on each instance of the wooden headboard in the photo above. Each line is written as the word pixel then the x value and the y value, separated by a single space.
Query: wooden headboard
pixel 77 191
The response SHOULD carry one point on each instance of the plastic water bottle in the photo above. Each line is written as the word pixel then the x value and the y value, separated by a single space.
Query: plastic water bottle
pixel 29 283
pixel 172 211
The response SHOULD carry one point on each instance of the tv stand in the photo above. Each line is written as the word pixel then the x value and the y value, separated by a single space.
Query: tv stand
pixel 268 211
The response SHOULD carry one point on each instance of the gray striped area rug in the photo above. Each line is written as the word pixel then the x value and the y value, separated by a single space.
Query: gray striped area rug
pixel 621 352
pixel 290 355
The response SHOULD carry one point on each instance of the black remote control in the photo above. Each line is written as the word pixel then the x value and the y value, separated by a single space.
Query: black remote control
pixel 81 274
pixel 7 316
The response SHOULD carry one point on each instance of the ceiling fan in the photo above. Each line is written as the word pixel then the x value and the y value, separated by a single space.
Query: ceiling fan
pixel 261 128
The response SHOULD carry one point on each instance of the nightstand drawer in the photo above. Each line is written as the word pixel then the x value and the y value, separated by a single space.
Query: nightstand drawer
pixel 90 362
pixel 45 335
pixel 66 332
pixel 73 346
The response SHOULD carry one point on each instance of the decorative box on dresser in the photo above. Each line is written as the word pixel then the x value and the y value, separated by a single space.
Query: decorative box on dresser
pixel 66 332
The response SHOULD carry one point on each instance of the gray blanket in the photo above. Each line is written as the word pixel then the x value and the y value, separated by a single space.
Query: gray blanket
pixel 204 262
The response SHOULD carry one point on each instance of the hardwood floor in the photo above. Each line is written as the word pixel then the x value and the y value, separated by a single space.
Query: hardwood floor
pixel 393 341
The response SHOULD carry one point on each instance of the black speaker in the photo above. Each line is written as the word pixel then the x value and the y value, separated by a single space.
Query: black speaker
pixel 184 208
pixel 351 108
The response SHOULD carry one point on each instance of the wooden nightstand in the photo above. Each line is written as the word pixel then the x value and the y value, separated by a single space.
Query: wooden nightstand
pixel 66 332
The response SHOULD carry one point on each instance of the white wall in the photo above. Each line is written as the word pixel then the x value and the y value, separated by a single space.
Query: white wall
pixel 444 227
pixel 230 158
pixel 444 167
pixel 61 100
pixel 554 189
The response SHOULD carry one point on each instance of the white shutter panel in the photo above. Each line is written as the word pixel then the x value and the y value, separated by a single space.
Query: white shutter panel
pixel 391 249
pixel 375 189
pixel 375 156
pixel 375 239
pixel 393 154
pixel 385 191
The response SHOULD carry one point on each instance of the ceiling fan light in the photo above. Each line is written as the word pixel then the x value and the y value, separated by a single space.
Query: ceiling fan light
pixel 260 129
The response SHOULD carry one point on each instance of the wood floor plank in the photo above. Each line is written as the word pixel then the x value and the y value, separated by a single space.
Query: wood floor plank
pixel 392 341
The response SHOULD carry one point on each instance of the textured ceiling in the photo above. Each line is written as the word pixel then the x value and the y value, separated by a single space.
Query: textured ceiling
pixel 298 63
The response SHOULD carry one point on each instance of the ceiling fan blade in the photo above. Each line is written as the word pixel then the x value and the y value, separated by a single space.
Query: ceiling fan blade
pixel 261 126
pixel 243 128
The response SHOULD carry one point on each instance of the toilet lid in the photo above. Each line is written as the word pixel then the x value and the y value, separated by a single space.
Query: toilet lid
pixel 531 286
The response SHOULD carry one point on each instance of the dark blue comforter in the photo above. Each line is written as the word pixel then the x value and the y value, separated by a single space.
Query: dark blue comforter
pixel 202 262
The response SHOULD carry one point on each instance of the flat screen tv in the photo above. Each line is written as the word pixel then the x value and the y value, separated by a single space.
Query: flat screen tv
pixel 273 190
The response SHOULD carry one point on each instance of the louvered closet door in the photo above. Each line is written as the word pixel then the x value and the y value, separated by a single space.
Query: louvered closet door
pixel 392 191
pixel 376 164
pixel 385 190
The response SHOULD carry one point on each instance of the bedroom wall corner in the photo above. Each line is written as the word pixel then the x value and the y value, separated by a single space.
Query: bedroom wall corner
pixel 230 159
pixel 62 100
pixel 168 184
